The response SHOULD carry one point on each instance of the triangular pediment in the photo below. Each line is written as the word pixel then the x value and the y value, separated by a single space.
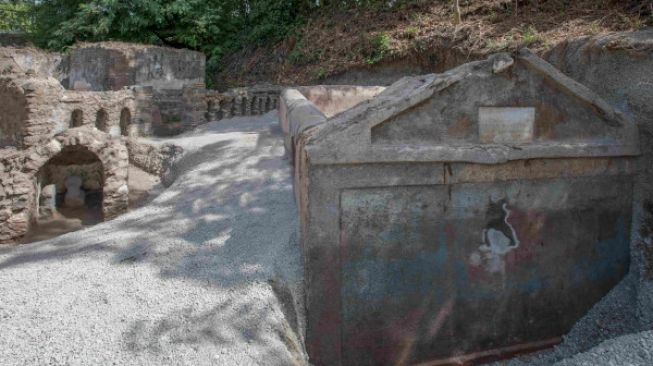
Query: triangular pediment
pixel 504 103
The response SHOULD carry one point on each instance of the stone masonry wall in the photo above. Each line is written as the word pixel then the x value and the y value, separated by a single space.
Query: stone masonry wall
pixel 153 159
pixel 179 109
pixel 18 192
pixel 241 102
pixel 16 200
pixel 114 65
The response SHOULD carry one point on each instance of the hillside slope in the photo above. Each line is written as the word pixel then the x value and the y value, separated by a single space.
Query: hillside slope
pixel 424 36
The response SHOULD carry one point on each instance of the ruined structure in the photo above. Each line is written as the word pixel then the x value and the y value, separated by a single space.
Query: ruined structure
pixel 241 102
pixel 63 148
pixel 79 115
pixel 462 215
pixel 170 80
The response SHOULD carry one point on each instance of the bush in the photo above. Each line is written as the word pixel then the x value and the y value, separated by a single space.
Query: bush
pixel 16 17
pixel 379 46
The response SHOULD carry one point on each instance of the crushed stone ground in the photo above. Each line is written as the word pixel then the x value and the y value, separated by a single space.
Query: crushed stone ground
pixel 204 274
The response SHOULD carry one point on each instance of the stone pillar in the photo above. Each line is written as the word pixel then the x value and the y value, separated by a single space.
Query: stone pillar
pixel 47 201
pixel 74 194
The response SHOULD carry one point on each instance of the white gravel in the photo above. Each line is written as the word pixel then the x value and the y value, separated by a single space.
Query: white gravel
pixel 202 275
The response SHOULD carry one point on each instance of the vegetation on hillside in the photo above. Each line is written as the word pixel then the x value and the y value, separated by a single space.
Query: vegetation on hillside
pixel 296 41
pixel 216 27
pixel 426 32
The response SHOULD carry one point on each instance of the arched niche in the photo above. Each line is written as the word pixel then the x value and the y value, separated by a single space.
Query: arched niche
pixel 76 118
pixel 71 184
pixel 125 122
pixel 102 120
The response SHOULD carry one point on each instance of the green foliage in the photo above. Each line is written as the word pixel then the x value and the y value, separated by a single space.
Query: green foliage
pixel 16 17
pixel 379 46
pixel 212 26
pixel 530 36
pixel 320 74
pixel 215 27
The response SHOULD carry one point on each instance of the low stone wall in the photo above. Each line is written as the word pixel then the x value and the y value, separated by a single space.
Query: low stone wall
pixel 179 109
pixel 157 160
pixel 296 115
pixel 241 102
pixel 333 99
pixel 304 107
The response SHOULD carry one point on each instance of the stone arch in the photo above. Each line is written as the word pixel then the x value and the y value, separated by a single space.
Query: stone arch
pixel 70 183
pixel 102 120
pixel 112 154
pixel 76 118
pixel 125 122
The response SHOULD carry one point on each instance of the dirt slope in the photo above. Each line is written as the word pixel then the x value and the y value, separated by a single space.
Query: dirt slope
pixel 425 36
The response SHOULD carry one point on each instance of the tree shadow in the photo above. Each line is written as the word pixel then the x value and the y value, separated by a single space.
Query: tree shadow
pixel 226 223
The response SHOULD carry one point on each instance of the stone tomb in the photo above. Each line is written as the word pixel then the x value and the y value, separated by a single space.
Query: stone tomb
pixel 474 213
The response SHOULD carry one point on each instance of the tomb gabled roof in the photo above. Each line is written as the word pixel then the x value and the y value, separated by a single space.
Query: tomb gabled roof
pixel 507 107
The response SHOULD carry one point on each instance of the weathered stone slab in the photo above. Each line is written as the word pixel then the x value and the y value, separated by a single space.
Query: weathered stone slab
pixel 505 125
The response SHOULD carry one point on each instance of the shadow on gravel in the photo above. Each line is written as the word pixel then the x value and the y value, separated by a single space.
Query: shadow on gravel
pixel 225 223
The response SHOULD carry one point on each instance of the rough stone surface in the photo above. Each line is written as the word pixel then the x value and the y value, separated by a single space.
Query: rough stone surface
pixel 241 102
pixel 22 169
pixel 114 65
pixel 154 159
pixel 619 67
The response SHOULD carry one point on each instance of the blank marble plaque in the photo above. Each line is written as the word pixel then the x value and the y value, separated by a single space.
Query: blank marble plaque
pixel 506 125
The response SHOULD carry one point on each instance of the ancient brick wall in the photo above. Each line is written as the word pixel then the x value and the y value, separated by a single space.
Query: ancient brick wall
pixel 19 183
pixel 114 65
pixel 170 81
pixel 16 195
pixel 116 107
pixel 179 110
pixel 13 113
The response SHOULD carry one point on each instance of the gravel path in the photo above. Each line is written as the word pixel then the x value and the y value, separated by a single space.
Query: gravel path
pixel 204 274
